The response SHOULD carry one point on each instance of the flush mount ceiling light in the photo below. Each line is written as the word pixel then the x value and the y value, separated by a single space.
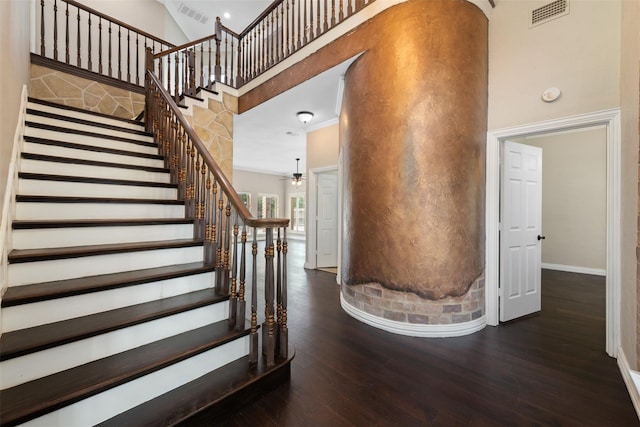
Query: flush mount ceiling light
pixel 304 116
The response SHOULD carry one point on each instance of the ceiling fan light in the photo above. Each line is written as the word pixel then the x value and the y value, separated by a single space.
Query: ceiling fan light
pixel 304 116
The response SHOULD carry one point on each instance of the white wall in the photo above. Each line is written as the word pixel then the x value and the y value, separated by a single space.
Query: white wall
pixel 147 15
pixel 14 73
pixel 574 197
pixel 579 53
pixel 257 183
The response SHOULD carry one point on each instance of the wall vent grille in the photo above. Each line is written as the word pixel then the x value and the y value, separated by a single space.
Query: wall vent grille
pixel 192 13
pixel 549 11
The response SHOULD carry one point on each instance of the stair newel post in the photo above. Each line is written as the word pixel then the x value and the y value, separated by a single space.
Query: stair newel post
pixel 253 353
pixel 190 69
pixel 218 69
pixel 268 327
pixel 233 300
pixel 283 331
pixel 240 311
pixel 219 246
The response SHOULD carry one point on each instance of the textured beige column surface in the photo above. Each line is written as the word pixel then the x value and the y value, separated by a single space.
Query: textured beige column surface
pixel 412 134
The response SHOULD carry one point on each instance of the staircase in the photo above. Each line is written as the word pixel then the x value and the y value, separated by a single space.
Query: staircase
pixel 111 316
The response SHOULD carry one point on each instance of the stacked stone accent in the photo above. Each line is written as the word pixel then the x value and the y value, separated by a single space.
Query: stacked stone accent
pixel 408 307
pixel 67 89
pixel 213 122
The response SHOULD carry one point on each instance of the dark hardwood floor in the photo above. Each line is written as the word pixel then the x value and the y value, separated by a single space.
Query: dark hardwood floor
pixel 549 369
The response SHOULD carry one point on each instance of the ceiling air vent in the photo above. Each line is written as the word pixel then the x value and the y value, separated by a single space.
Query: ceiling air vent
pixel 549 11
pixel 192 13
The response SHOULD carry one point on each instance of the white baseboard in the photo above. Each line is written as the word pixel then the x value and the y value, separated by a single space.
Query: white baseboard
pixel 575 269
pixel 631 379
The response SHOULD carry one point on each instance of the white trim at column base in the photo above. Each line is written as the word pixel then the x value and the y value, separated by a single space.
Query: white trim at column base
pixel 631 379
pixel 414 329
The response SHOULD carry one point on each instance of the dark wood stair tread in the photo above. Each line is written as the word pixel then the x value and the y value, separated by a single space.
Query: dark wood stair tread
pixel 25 341
pixel 79 121
pixel 25 294
pixel 91 180
pixel 203 394
pixel 82 110
pixel 23 198
pixel 75 223
pixel 76 161
pixel 88 147
pixel 70 130
pixel 44 254
pixel 36 398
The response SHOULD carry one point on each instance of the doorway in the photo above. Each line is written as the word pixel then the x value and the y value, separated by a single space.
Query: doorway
pixel 610 119
pixel 323 220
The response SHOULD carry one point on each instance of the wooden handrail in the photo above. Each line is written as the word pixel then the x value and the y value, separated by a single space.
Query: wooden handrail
pixel 184 46
pixel 221 178
pixel 259 19
pixel 115 21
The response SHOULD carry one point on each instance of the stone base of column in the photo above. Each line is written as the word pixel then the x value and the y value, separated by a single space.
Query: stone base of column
pixel 408 314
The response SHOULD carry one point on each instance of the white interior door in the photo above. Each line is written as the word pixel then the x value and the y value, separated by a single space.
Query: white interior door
pixel 327 229
pixel 521 234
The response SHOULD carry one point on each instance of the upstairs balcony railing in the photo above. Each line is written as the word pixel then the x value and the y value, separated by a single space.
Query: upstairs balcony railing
pixel 233 59
pixel 74 34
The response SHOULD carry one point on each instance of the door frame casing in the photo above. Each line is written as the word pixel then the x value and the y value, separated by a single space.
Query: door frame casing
pixel 312 214
pixel 609 118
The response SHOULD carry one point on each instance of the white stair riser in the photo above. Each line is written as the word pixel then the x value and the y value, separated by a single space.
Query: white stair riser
pixel 56 168
pixel 40 313
pixel 36 210
pixel 36 187
pixel 45 271
pixel 89 140
pixel 36 365
pixel 84 116
pixel 81 236
pixel 86 127
pixel 53 150
pixel 105 405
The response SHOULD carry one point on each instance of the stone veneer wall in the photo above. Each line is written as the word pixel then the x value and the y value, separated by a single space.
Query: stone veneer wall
pixel 408 307
pixel 62 88
pixel 212 119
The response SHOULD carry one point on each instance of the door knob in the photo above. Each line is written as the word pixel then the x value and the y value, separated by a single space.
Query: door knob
pixel 541 237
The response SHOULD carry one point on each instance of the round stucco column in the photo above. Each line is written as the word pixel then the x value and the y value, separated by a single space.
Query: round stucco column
pixel 412 135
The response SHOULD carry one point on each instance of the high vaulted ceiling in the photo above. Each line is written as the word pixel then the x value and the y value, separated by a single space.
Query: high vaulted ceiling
pixel 269 137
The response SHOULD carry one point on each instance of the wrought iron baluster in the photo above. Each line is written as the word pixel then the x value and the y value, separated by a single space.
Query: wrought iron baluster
pixel 55 30
pixel 89 62
pixel 253 337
